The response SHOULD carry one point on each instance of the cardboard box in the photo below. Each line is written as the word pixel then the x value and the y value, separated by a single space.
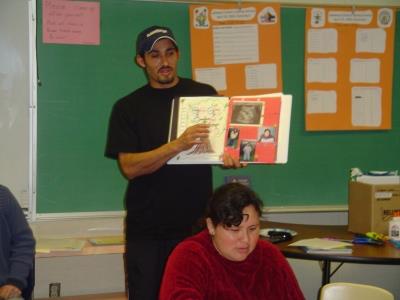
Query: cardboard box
pixel 371 206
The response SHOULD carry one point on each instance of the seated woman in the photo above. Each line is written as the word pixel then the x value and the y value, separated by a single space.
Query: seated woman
pixel 228 260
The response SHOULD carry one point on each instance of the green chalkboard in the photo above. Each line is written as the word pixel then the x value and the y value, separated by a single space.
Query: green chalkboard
pixel 79 84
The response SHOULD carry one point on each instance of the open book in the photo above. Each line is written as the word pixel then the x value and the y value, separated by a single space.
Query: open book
pixel 254 129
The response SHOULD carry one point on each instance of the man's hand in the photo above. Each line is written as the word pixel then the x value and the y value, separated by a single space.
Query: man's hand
pixel 231 162
pixel 198 134
pixel 9 291
pixel 193 135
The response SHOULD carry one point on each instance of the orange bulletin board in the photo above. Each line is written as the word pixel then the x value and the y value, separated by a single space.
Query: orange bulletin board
pixel 237 47
pixel 349 68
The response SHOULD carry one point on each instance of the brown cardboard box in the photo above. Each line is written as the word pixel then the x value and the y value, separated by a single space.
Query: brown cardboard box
pixel 371 206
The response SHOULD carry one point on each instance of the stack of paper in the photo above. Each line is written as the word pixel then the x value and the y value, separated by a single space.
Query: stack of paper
pixel 324 246
pixel 375 177
pixel 384 179
pixel 107 240
pixel 47 245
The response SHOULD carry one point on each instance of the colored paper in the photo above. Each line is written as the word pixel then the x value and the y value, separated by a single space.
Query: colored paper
pixel 71 22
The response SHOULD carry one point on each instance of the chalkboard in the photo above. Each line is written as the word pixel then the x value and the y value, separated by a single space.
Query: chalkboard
pixel 80 83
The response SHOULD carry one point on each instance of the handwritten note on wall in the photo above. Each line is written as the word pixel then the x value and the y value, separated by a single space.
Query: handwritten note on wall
pixel 71 22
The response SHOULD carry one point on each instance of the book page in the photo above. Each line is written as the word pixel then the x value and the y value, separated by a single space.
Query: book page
pixel 203 110
pixel 253 128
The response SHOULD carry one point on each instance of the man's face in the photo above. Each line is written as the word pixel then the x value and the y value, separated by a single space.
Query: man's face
pixel 160 64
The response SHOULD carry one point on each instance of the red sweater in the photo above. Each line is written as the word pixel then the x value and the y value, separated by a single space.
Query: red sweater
pixel 195 270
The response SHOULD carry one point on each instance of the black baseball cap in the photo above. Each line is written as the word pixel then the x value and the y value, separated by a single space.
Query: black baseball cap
pixel 147 38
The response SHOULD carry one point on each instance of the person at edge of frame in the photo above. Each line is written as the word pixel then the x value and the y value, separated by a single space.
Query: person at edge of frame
pixel 17 248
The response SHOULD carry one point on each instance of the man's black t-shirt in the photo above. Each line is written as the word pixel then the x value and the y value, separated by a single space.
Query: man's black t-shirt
pixel 166 203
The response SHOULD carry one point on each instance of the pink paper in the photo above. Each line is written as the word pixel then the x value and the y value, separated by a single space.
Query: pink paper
pixel 71 22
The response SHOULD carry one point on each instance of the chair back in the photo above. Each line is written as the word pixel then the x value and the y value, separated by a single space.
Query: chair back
pixel 353 291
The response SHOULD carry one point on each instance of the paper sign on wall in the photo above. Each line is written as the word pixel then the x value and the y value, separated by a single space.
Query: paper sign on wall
pixel 71 22
pixel 237 49
pixel 349 67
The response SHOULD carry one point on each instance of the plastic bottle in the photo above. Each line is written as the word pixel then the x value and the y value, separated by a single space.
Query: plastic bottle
pixel 394 227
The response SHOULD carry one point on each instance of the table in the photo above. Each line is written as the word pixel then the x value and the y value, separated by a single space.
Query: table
pixel 363 254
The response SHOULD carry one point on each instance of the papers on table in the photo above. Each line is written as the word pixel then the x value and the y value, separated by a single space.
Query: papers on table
pixel 323 246
pixel 107 240
pixel 318 243
pixel 343 250
pixel 47 245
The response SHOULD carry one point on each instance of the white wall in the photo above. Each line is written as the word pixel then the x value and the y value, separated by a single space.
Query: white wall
pixel 15 97
pixel 90 274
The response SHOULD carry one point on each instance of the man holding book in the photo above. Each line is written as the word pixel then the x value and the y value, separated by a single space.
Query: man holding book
pixel 163 202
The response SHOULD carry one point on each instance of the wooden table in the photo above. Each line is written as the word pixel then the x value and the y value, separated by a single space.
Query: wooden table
pixel 363 254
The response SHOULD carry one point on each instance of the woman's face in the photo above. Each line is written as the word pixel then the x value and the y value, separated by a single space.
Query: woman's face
pixel 237 242
pixel 267 133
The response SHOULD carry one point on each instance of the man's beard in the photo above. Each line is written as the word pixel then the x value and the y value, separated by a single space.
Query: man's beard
pixel 165 80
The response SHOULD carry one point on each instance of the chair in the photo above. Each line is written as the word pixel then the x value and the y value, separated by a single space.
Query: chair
pixel 353 291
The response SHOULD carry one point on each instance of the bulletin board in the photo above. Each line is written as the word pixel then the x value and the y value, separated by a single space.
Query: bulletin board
pixel 237 48
pixel 349 68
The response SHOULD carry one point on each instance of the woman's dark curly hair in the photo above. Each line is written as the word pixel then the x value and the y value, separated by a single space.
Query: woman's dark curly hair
pixel 228 201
